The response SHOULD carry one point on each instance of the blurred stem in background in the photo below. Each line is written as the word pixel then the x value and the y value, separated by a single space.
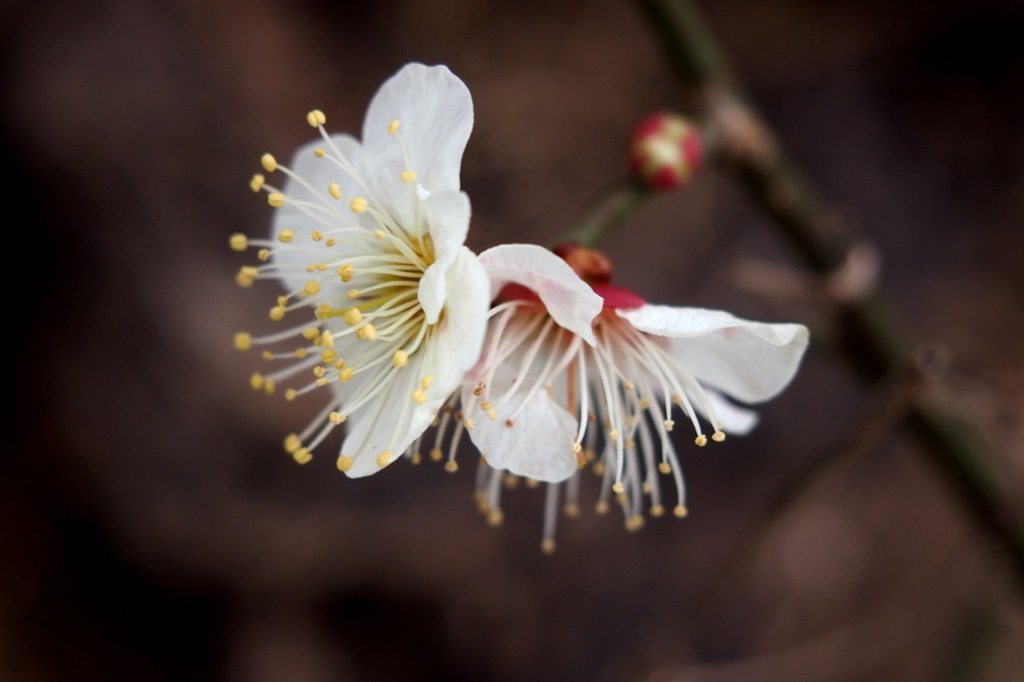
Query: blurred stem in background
pixel 872 337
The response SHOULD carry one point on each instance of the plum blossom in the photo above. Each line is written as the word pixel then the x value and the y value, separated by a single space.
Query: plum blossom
pixel 577 372
pixel 367 241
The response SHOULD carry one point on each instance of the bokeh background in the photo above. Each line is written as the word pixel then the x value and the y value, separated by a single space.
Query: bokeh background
pixel 151 525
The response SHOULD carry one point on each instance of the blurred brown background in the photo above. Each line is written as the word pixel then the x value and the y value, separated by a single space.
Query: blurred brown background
pixel 152 528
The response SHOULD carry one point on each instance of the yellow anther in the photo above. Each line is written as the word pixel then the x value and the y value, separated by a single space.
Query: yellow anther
pixel 256 381
pixel 286 236
pixel 665 468
pixel 419 397
pixel 400 358
pixel 319 152
pixel 312 288
pixel 657 510
pixel 532 482
pixel 336 418
pixel 646 487
pixel 322 311
pixel 239 242
pixel 547 546
pixel 451 466
pixel 470 424
pixel 243 340
pixel 292 443
pixel 269 386
pixel 384 458
pixel 510 481
pixel 680 511
pixel 249 271
pixel 669 424
pixel 275 199
pixel 379 234
pixel 415 458
pixel 718 436
pixel 577 448
pixel 263 255
pixel 628 385
pixel 571 510
pixel 344 462
pixel 393 126
pixel 328 356
pixel 345 374
pixel 334 189
pixel 492 413
pixel 267 355
pixel 327 339
pixel 643 403
pixel 436 454
pixel 618 488
pixel 701 440
pixel 479 390
pixel 352 317
pixel 282 300
pixel 316 118
pixel 321 382
pixel 601 507
pixel 302 455
pixel 367 332
pixel 318 371
pixel 290 394
pixel 269 163
pixel 495 517
pixel 331 242
pixel 486 405
pixel 339 364
pixel 358 205
pixel 256 184
pixel 346 273
pixel 425 381
pixel 634 523
pixel 408 175
pixel 316 235
pixel 614 434
pixel 310 333
pixel 243 280
pixel 629 444
pixel 354 293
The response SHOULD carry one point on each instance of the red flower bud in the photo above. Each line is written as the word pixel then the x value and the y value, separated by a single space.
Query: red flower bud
pixel 665 150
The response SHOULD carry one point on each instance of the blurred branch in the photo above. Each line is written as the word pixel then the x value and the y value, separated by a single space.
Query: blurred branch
pixel 615 206
pixel 875 341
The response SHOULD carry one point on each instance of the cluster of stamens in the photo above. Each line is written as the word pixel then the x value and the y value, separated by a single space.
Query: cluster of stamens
pixel 360 270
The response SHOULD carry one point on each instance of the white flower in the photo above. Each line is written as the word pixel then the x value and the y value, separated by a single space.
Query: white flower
pixel 368 240
pixel 578 371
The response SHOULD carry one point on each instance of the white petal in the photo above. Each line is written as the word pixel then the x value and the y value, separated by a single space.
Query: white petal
pixel 733 419
pixel 435 114
pixel 395 420
pixel 749 361
pixel 539 442
pixel 318 173
pixel 447 217
pixel 569 300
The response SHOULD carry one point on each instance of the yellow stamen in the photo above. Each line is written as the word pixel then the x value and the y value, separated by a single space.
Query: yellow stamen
pixel 243 340
pixel 239 242
pixel 384 458
pixel 269 163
